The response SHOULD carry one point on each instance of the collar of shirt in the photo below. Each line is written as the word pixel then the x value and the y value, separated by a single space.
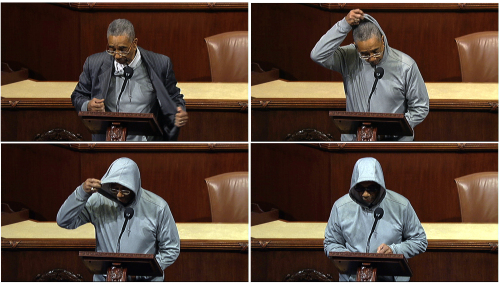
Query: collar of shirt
pixel 119 67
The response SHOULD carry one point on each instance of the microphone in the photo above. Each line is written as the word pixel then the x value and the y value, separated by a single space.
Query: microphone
pixel 379 73
pixel 128 72
pixel 378 214
pixel 129 213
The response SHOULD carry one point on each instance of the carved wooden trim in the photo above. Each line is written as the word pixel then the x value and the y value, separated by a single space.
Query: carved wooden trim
pixel 267 244
pixel 58 134
pixel 37 103
pixel 206 6
pixel 160 147
pixel 308 275
pixel 14 244
pixel 116 274
pixel 339 103
pixel 367 274
pixel 240 246
pixel 242 106
pixel 116 254
pixel 317 244
pixel 405 147
pixel 454 245
pixel 406 6
pixel 65 103
pixel 59 275
pixel 89 245
pixel 309 135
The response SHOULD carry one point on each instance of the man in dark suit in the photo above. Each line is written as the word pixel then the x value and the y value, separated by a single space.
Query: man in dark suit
pixel 151 89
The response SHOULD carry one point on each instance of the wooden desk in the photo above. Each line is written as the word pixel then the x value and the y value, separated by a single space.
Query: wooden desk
pixel 209 251
pixel 30 108
pixel 458 111
pixel 456 252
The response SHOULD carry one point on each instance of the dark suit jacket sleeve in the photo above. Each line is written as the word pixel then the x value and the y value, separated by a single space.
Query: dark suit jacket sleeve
pixel 82 92
pixel 170 83
pixel 171 132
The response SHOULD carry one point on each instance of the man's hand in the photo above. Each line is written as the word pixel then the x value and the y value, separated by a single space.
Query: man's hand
pixel 96 105
pixel 384 249
pixel 91 185
pixel 181 117
pixel 354 17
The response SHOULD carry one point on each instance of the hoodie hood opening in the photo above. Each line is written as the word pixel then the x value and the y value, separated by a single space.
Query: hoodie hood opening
pixel 367 170
pixel 125 172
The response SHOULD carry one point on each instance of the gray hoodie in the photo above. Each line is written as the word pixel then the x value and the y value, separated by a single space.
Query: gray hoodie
pixel 151 230
pixel 351 220
pixel 400 90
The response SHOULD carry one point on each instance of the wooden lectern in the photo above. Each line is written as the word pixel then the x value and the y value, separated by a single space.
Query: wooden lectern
pixel 368 266
pixel 368 125
pixel 118 266
pixel 118 125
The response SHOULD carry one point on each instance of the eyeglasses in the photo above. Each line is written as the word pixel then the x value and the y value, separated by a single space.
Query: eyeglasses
pixel 370 189
pixel 376 55
pixel 121 53
pixel 124 192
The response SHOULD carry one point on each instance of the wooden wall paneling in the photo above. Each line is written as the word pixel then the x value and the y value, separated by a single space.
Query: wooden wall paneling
pixel 177 34
pixel 52 32
pixel 278 124
pixel 176 174
pixel 291 178
pixel 460 124
pixel 283 36
pixel 25 265
pixel 432 46
pixel 43 38
pixel 478 265
pixel 209 266
pixel 178 177
pixel 451 125
pixel 270 265
pixel 299 182
pixel 215 125
pixel 38 177
pixel 19 124
pixel 23 262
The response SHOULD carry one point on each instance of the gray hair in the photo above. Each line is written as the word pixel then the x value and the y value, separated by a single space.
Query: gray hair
pixel 121 27
pixel 365 31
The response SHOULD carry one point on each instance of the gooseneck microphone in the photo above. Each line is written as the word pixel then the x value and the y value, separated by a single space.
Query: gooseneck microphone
pixel 129 213
pixel 378 214
pixel 128 72
pixel 379 73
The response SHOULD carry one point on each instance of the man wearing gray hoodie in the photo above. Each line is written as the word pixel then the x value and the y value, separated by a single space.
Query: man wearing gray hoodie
pixel 401 89
pixel 150 230
pixel 399 231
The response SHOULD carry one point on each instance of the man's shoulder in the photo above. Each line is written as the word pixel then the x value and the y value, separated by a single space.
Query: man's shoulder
pixel 98 57
pixel 152 56
pixel 403 58
pixel 343 201
pixel 153 199
pixel 396 198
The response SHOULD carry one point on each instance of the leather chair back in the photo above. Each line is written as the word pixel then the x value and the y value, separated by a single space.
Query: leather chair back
pixel 478 54
pixel 228 195
pixel 478 195
pixel 228 54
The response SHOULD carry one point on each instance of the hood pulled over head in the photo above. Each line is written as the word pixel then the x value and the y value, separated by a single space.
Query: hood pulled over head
pixel 122 171
pixel 387 49
pixel 367 170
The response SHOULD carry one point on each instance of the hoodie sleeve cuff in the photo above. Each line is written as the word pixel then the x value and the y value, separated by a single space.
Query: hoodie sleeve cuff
pixel 84 106
pixel 81 195
pixel 344 26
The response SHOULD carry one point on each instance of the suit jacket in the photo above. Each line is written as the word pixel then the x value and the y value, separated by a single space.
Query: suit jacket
pixel 95 78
